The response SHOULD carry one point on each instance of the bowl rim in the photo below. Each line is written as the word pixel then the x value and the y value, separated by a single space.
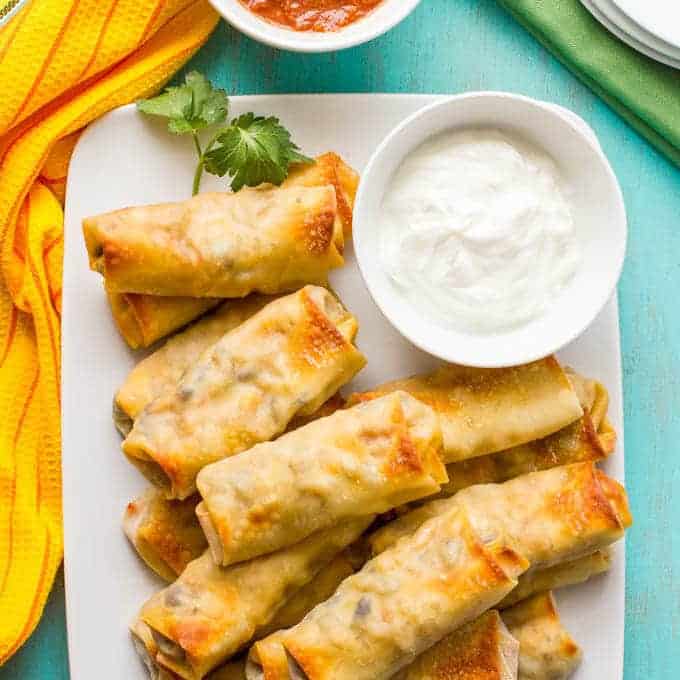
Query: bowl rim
pixel 365 263
pixel 283 38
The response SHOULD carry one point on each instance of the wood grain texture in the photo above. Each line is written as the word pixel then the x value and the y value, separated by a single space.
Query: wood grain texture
pixel 450 46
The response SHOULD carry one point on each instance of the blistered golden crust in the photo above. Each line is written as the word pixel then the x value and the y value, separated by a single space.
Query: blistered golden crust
pixel 399 604
pixel 358 461
pixel 209 613
pixel 558 576
pixel 481 650
pixel 547 651
pixel 284 361
pixel 166 534
pixel 161 371
pixel 487 410
pixel 266 240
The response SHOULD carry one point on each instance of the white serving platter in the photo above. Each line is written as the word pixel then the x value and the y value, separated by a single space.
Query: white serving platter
pixel 126 159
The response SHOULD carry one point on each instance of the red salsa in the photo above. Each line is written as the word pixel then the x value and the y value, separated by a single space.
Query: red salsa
pixel 312 15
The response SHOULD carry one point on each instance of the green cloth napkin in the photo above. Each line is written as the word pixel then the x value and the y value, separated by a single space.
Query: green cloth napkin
pixel 644 92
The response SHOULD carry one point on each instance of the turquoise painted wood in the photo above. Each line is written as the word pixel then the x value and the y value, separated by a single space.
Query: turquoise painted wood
pixel 458 45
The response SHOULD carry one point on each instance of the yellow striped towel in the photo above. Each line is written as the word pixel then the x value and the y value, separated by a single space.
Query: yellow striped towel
pixel 63 63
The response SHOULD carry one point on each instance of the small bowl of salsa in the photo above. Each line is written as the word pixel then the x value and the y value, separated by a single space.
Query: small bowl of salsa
pixel 314 25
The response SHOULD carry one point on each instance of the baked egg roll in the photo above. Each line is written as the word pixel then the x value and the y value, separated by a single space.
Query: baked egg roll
pixel 266 240
pixel 161 371
pixel 143 319
pixel 484 410
pixel 547 651
pixel 209 613
pixel 575 443
pixel 284 361
pixel 550 516
pixel 398 605
pixel 558 576
pixel 358 461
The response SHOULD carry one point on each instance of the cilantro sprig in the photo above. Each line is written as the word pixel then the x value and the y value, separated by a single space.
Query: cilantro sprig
pixel 250 149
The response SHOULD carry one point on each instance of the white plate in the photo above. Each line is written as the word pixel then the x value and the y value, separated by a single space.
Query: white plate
pixel 661 18
pixel 626 24
pixel 630 33
pixel 126 159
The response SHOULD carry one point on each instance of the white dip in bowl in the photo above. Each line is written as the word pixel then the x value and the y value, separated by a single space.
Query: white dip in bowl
pixel 477 231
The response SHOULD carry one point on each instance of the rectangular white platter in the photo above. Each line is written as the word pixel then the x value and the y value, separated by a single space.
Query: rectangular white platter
pixel 126 159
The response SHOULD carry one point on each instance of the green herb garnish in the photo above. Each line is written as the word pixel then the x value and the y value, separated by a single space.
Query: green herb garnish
pixel 251 149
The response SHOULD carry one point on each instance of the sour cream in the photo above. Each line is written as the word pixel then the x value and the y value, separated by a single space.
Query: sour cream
pixel 477 232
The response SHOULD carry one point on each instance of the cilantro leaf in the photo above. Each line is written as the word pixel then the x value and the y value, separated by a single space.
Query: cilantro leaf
pixel 253 150
pixel 189 107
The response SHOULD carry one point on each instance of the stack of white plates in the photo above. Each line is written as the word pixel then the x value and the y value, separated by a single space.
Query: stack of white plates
pixel 649 26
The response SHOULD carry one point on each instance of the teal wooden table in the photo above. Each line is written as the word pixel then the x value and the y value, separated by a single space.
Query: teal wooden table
pixel 457 45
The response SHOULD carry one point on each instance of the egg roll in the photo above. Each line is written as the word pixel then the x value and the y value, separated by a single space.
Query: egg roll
pixel 265 240
pixel 397 606
pixel 547 651
pixel 484 410
pixel 160 372
pixel 284 361
pixel 550 516
pixel 558 576
pixel 165 533
pixel 483 649
pixel 575 443
pixel 209 613
pixel 143 319
pixel 358 461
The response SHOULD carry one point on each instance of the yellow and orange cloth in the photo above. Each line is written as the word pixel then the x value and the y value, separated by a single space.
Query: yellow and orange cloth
pixel 63 63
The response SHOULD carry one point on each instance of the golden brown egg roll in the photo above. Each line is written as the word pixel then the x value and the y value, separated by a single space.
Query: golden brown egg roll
pixel 165 533
pixel 143 319
pixel 575 443
pixel 362 460
pixel 284 361
pixel 484 410
pixel 558 576
pixel 483 649
pixel 210 613
pixel 398 605
pixel 551 516
pixel 160 372
pixel 547 651
pixel 265 240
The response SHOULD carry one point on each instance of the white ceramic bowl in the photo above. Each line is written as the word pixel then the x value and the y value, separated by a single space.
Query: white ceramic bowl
pixel 594 196
pixel 380 20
